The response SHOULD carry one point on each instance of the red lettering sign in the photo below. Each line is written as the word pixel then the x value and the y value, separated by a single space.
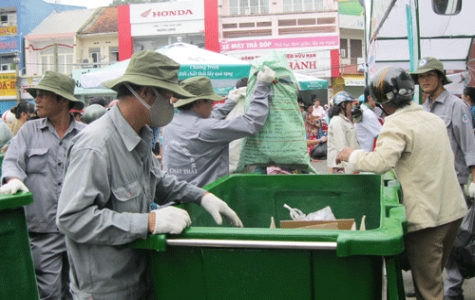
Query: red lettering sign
pixel 171 13
pixel 8 45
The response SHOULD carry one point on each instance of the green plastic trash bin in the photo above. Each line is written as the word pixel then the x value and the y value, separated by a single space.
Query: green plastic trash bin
pixel 258 262
pixel 17 274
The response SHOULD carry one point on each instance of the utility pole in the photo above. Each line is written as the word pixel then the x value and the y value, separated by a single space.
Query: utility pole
pixel 55 56
pixel 16 60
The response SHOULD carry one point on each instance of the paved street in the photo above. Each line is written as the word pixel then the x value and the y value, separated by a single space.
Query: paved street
pixel 469 285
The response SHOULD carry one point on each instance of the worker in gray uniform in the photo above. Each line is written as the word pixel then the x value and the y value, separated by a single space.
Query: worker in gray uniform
pixel 430 76
pixel 113 181
pixel 196 146
pixel 35 161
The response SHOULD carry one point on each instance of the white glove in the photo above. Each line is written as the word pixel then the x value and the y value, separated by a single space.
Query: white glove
pixel 13 186
pixel 217 207
pixel 234 95
pixel 268 75
pixel 170 220
pixel 471 190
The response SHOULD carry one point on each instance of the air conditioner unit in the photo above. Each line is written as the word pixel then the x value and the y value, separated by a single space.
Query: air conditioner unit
pixel 247 11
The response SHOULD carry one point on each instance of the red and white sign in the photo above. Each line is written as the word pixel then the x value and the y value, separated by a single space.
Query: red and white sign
pixel 167 18
pixel 306 55
pixel 322 42
pixel 166 12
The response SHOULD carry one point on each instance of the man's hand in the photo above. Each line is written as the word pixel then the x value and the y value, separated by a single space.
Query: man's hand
pixel 344 155
pixel 168 220
pixel 471 190
pixel 267 76
pixel 217 207
pixel 14 185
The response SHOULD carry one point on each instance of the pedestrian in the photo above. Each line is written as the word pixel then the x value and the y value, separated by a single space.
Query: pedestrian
pixel 468 96
pixel 341 132
pixel 34 161
pixel 23 112
pixel 367 130
pixel 99 100
pixel 93 112
pixel 196 142
pixel 415 144
pixel 318 110
pixel 430 76
pixel 303 111
pixel 77 114
pixel 113 180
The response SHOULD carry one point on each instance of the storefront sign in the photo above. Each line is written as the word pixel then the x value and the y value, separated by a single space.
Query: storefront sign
pixel 8 44
pixel 8 30
pixel 322 42
pixel 7 84
pixel 165 28
pixel 309 62
pixel 166 12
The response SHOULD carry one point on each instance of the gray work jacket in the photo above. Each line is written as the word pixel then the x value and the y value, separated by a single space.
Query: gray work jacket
pixel 196 149
pixel 457 119
pixel 111 179
pixel 36 156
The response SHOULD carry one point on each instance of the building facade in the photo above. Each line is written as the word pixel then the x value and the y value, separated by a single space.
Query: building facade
pixel 17 19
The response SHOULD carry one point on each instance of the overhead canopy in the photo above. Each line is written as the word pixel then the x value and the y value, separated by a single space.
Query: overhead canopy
pixel 309 83
pixel 223 70
pixel 448 38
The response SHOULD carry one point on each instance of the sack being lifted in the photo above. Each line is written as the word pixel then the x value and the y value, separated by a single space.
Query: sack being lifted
pixel 282 141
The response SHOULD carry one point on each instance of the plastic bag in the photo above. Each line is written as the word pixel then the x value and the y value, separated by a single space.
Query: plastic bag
pixel 324 214
pixel 236 145
pixel 282 141
pixel 319 151
pixel 464 246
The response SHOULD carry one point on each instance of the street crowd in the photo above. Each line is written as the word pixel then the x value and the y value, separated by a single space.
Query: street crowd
pixel 99 181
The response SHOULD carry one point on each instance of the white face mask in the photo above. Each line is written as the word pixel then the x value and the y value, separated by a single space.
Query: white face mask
pixel 161 111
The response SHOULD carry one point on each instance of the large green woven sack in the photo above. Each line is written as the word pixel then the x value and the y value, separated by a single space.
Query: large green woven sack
pixel 282 141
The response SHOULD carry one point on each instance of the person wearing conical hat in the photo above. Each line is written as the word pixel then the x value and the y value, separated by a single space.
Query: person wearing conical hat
pixel 430 76
pixel 34 161
pixel 113 185
pixel 196 142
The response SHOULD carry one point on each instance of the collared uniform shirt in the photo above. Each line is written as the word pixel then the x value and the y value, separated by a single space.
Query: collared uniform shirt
pixel 111 179
pixel 36 156
pixel 368 129
pixel 414 143
pixel 196 150
pixel 457 118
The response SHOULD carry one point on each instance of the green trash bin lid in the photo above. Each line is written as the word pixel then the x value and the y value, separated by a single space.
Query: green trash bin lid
pixel 17 200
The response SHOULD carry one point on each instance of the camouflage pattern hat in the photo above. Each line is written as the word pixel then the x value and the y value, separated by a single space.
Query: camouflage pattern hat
pixel 59 84
pixel 427 64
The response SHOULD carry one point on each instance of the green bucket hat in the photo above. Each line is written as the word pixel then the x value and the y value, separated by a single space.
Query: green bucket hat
pixel 59 84
pixel 427 64
pixel 150 68
pixel 201 87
